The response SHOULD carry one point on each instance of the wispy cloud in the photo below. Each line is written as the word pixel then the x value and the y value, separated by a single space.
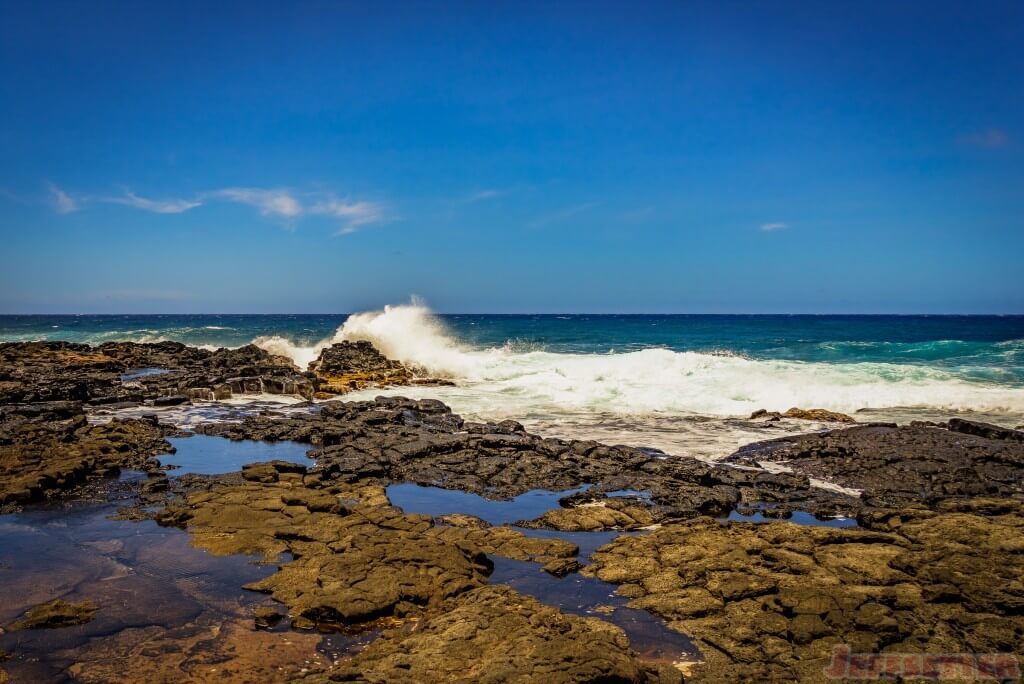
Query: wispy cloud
pixel 354 214
pixel 63 203
pixel 273 202
pixel 991 138
pixel 289 204
pixel 166 206
pixel 771 227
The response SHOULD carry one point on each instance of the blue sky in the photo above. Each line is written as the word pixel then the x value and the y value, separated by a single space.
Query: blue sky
pixel 512 157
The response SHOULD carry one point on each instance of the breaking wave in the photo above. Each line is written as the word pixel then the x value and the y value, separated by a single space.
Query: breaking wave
pixel 517 380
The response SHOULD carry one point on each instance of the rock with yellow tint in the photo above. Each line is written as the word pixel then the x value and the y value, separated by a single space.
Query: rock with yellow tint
pixel 768 602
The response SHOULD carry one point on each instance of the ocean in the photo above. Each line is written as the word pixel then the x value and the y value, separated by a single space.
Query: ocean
pixel 684 384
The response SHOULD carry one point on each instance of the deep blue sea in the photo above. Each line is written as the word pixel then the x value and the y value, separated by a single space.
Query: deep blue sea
pixel 678 382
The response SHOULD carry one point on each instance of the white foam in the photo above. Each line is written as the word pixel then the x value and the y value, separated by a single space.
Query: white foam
pixel 506 382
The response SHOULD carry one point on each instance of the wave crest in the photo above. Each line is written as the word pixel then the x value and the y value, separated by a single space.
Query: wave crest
pixel 516 380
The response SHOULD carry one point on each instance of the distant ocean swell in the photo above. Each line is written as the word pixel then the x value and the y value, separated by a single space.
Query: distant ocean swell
pixel 639 378
pixel 655 381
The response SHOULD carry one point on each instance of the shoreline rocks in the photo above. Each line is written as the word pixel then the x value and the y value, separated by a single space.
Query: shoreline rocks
pixel 348 366
pixel 394 439
pixel 820 415
pixel 936 567
pixel 769 602
pixel 493 634
pixel 50 446
pixel 55 614
pixel 910 464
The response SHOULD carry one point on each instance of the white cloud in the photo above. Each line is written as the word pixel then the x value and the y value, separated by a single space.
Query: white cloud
pixel 355 214
pixel 770 227
pixel 62 202
pixel 275 202
pixel 279 202
pixel 172 206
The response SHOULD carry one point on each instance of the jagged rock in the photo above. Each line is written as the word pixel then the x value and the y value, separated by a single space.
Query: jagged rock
pixel 354 560
pixel 266 617
pixel 896 466
pixel 50 446
pixel 611 513
pixel 560 567
pixel 820 415
pixel 347 366
pixel 54 614
pixel 986 430
pixel 49 371
pixel 491 635
pixel 395 439
pixel 769 602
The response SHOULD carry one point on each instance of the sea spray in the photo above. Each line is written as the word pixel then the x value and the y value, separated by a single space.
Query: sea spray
pixel 507 381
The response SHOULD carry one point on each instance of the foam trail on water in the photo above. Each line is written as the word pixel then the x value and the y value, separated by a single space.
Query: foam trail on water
pixel 505 382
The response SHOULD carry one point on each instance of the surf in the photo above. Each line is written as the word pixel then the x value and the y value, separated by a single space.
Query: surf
pixel 651 381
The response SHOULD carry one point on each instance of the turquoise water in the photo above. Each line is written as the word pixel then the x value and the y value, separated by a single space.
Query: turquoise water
pixel 679 383
pixel 982 346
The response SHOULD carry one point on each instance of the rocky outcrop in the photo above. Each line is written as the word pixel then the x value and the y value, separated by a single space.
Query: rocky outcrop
pixel 55 614
pixel 49 371
pixel 820 415
pixel 353 562
pixel 401 440
pixel 50 446
pixel 504 541
pixel 348 366
pixel 896 466
pixel 986 430
pixel 590 514
pixel 491 635
pixel 769 602
pixel 358 563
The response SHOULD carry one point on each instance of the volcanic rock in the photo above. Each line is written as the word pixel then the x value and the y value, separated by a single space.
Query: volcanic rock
pixel 348 366
pixel 493 634
pixel 896 466
pixel 49 446
pixel 769 602
pixel 54 614
pixel 49 371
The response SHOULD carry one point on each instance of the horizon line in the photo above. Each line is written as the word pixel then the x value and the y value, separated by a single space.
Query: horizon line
pixel 524 313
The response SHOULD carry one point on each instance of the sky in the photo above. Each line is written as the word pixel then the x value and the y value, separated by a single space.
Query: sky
pixel 643 157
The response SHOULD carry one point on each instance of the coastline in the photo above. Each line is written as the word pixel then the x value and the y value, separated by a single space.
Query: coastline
pixel 933 564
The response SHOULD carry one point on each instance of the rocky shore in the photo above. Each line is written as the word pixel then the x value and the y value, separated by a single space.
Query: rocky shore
pixel 934 564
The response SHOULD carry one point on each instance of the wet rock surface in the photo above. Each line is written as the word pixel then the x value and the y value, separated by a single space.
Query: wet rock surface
pixel 821 415
pixel 348 366
pixel 55 614
pixel 49 371
pixel 936 566
pixel 493 634
pixel 47 447
pixel 401 440
pixel 894 466
pixel 589 514
pixel 769 602
pixel 356 559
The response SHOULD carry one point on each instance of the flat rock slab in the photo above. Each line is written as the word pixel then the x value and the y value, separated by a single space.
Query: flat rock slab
pixel 769 602
pixel 56 614
pixel 896 466
pixel 492 635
